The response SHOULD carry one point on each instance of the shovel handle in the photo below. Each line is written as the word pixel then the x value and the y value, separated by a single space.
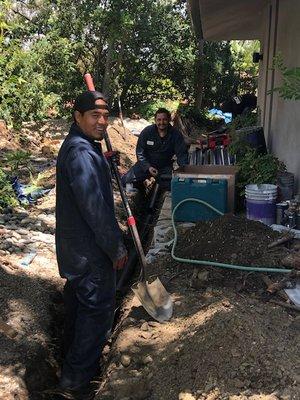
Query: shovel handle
pixel 89 82
pixel 130 218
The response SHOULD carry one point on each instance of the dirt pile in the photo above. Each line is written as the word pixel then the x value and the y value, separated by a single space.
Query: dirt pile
pixel 231 239
pixel 225 341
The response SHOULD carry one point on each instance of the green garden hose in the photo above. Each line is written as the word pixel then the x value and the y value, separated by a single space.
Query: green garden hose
pixel 212 263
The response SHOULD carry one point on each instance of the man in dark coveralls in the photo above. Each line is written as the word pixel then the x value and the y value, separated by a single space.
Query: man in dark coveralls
pixel 89 244
pixel 156 147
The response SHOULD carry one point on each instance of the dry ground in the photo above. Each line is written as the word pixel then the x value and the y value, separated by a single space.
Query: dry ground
pixel 225 340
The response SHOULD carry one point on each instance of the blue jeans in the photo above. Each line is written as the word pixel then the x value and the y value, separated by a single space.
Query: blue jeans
pixel 90 306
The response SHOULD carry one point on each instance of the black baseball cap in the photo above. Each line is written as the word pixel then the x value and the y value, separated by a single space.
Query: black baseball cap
pixel 86 101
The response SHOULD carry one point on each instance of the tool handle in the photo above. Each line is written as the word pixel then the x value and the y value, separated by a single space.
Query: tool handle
pixel 130 218
pixel 89 82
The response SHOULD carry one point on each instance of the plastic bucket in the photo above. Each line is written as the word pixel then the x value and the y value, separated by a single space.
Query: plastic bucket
pixel 286 184
pixel 261 203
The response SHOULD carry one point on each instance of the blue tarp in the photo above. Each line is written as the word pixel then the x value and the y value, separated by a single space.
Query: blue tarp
pixel 22 192
pixel 216 112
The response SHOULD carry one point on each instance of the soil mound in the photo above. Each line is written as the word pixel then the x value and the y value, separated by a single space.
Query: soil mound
pixel 231 239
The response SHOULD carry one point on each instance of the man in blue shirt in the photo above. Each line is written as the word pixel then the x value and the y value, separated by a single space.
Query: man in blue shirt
pixel 89 243
pixel 156 147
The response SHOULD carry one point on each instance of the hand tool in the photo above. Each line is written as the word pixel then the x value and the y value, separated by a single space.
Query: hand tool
pixel 153 296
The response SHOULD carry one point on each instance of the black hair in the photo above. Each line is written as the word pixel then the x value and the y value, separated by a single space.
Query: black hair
pixel 163 111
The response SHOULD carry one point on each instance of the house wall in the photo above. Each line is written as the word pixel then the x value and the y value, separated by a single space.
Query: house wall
pixel 281 118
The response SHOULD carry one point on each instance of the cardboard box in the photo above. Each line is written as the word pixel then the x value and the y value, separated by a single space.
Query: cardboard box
pixel 227 172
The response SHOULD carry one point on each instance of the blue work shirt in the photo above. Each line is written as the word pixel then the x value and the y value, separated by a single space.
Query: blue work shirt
pixel 155 151
pixel 88 237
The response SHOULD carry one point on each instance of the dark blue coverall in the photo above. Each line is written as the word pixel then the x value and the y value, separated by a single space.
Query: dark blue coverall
pixel 88 241
pixel 155 151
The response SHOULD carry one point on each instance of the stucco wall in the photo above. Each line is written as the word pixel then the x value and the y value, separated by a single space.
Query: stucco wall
pixel 281 118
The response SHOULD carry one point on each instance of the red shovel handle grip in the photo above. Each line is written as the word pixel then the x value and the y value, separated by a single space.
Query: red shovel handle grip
pixel 89 82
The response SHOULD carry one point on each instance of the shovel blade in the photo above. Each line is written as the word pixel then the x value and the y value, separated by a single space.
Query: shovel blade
pixel 155 299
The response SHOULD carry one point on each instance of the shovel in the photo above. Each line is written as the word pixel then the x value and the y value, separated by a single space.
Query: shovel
pixel 153 296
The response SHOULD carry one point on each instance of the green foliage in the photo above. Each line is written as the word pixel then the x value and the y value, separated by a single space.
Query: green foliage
pixel 17 160
pixel 246 71
pixel 290 87
pixel 243 121
pixel 219 75
pixel 199 118
pixel 256 168
pixel 144 50
pixel 7 196
pixel 148 109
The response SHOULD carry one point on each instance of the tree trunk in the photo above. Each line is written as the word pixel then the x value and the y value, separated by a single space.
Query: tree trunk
pixel 199 61
pixel 199 75
pixel 108 74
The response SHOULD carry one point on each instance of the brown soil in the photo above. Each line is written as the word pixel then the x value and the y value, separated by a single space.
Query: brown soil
pixel 231 240
pixel 224 341
pixel 30 297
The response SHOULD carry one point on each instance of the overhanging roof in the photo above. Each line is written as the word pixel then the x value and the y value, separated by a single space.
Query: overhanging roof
pixel 218 20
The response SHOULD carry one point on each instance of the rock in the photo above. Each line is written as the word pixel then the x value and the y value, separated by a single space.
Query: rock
pixel 125 360
pixel 226 303
pixel 146 335
pixel 26 221
pixel 23 232
pixel 203 276
pixel 2 252
pixel 5 245
pixel 186 396
pixel 12 226
pixel 147 360
pixel 16 235
pixel 178 303
pixel 153 324
pixel 2 221
pixel 145 326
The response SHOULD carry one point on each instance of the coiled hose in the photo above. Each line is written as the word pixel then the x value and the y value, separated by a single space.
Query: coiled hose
pixel 212 263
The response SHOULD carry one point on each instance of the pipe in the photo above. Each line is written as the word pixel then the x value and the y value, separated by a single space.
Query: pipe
pixel 212 263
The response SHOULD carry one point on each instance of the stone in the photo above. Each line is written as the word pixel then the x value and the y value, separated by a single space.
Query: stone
pixel 145 326
pixel 5 245
pixel 26 221
pixel 23 232
pixel 177 303
pixel 186 396
pixel 203 276
pixel 153 324
pixel 146 335
pixel 147 360
pixel 16 235
pixel 125 360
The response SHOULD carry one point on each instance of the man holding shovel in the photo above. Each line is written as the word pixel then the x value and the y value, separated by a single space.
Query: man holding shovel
pixel 89 244
pixel 156 147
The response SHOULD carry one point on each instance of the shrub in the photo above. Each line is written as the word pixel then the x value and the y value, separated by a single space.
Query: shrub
pixel 7 195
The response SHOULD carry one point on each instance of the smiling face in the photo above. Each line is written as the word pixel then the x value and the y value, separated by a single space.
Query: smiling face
pixel 162 121
pixel 93 123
